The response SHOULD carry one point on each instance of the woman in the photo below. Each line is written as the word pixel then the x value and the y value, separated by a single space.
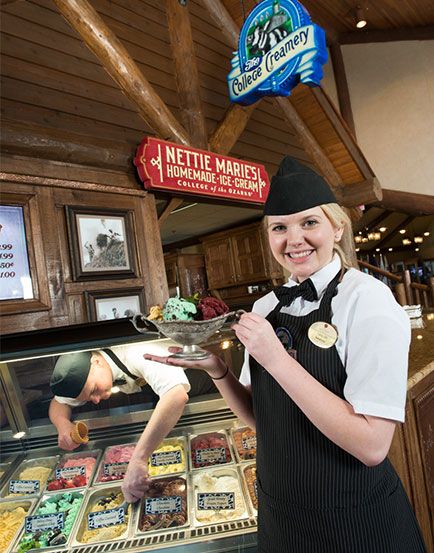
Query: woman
pixel 324 384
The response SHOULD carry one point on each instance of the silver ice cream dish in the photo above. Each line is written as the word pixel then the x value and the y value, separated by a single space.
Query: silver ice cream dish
pixel 187 333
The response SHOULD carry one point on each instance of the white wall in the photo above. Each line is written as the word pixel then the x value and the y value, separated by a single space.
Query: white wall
pixel 392 97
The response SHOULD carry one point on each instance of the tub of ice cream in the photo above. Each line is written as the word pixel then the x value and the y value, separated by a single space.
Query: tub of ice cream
pixel 164 506
pixel 114 463
pixel 169 457
pixel 51 523
pixel 103 517
pixel 217 496
pixel 12 515
pixel 248 472
pixel 74 470
pixel 244 441
pixel 210 448
pixel 30 477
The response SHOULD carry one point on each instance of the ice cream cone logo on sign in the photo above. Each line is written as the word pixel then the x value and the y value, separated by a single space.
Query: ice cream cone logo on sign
pixel 278 47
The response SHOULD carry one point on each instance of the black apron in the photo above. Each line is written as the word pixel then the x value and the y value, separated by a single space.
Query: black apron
pixel 313 496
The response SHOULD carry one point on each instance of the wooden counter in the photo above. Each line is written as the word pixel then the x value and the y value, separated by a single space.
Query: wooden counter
pixel 412 451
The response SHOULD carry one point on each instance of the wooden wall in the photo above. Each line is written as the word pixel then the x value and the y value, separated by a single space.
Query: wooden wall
pixel 60 297
pixel 51 79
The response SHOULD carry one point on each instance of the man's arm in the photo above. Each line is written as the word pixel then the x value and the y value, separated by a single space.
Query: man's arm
pixel 60 416
pixel 166 414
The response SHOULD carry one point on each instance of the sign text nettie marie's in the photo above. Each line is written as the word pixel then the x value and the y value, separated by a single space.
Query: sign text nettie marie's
pixel 166 166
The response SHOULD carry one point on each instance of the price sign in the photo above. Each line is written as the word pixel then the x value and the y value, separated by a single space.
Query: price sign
pixel 163 505
pixel 115 469
pixel 70 472
pixel 211 455
pixel 215 501
pixel 101 519
pixel 24 486
pixel 42 523
pixel 163 458
pixel 15 280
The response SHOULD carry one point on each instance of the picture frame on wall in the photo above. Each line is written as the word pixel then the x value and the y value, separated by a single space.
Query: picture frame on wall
pixel 101 243
pixel 104 305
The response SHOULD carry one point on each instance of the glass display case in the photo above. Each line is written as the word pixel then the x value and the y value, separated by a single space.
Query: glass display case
pixel 199 500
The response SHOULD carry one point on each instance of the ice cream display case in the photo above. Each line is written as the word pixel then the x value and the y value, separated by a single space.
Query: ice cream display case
pixel 199 498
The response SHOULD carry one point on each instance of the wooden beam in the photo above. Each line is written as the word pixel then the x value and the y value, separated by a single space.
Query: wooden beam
pixel 171 205
pixel 406 202
pixel 365 192
pixel 375 222
pixel 309 143
pixel 29 139
pixel 223 20
pixel 186 73
pixel 230 128
pixel 122 68
pixel 343 132
pixel 342 86
pixel 388 35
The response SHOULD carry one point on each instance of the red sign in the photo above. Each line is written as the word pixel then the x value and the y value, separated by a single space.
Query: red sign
pixel 171 167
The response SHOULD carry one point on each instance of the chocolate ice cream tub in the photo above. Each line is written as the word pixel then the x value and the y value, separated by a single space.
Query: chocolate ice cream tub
pixel 248 471
pixel 164 507
pixel 104 517
pixel 244 442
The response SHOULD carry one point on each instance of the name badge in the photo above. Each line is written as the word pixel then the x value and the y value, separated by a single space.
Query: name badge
pixel 323 335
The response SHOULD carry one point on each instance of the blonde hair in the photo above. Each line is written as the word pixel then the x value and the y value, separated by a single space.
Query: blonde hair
pixel 345 247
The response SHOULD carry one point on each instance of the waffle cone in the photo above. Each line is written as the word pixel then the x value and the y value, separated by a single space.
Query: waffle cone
pixel 79 434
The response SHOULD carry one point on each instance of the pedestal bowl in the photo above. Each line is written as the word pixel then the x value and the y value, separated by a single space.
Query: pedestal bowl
pixel 187 333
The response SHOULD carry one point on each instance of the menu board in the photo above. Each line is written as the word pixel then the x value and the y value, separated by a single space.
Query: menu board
pixel 15 280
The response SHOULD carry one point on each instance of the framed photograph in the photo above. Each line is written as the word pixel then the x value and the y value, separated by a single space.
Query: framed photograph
pixel 115 304
pixel 101 243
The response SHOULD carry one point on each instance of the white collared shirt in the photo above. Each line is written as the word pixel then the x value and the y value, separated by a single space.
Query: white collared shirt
pixel 160 378
pixel 373 339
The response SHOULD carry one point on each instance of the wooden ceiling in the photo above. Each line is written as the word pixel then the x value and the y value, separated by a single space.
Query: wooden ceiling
pixel 337 16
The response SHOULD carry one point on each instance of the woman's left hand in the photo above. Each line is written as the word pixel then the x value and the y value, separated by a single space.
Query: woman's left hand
pixel 258 337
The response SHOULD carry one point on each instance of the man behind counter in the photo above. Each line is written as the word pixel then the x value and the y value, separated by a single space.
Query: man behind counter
pixel 89 376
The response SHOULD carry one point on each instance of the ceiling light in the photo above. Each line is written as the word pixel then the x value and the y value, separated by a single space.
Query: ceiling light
pixel 390 249
pixel 426 233
pixel 357 249
pixel 406 242
pixel 377 236
pixel 382 229
pixel 416 249
pixel 418 239
pixel 377 249
pixel 364 240
pixel 419 336
pixel 358 239
pixel 402 231
pixel 360 18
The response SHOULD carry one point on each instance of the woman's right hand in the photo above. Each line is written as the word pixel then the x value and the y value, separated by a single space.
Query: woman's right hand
pixel 213 365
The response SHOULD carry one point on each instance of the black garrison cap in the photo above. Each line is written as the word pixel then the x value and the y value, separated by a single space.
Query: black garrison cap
pixel 70 374
pixel 295 188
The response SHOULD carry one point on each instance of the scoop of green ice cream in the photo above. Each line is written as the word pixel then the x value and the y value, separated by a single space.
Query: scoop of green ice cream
pixel 178 309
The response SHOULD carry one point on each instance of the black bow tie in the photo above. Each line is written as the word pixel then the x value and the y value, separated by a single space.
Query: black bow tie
pixel 286 295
